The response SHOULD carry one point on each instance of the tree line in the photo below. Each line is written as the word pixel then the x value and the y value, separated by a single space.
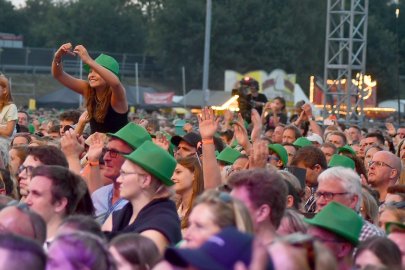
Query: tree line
pixel 245 35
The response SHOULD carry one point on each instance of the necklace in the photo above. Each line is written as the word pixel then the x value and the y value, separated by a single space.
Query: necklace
pixel 96 99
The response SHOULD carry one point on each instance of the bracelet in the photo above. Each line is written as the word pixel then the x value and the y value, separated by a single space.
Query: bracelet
pixel 57 62
pixel 94 163
pixel 208 141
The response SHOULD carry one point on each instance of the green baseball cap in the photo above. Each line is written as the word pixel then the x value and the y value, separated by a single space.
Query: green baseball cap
pixel 342 161
pixel 346 148
pixel 302 141
pixel 155 161
pixel 228 155
pixel 280 151
pixel 340 220
pixel 132 134
pixel 106 61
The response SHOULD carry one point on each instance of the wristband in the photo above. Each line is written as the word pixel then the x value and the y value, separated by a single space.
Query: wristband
pixel 208 141
pixel 94 163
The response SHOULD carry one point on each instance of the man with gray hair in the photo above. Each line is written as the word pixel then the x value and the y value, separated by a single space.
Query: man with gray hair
pixel 343 185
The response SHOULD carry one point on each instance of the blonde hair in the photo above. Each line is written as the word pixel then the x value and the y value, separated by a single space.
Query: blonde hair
pixel 227 211
pixel 7 98
pixel 97 109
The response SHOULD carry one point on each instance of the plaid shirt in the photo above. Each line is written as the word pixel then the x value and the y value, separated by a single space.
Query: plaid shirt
pixel 369 230
pixel 310 205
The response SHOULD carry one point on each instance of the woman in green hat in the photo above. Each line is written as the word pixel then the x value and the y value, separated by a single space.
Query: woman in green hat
pixel 106 101
pixel 145 181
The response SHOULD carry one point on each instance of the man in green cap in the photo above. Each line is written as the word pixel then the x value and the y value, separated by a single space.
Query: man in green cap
pixel 278 156
pixel 338 228
pixel 106 198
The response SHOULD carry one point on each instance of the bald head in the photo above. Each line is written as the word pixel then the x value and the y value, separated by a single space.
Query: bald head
pixel 22 222
pixel 390 159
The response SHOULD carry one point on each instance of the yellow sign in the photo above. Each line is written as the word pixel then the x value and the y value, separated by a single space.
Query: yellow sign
pixel 32 104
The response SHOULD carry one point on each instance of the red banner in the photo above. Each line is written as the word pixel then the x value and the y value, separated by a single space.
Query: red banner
pixel 158 98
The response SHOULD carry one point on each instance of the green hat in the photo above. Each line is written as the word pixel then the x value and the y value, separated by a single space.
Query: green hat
pixel 178 127
pixel 132 134
pixel 342 161
pixel 340 220
pixel 347 148
pixel 280 151
pixel 155 161
pixel 302 141
pixel 228 155
pixel 108 62
pixel 394 227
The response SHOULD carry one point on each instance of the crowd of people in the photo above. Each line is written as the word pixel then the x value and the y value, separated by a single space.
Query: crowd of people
pixel 100 188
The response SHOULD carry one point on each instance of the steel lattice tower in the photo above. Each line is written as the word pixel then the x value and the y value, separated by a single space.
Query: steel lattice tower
pixel 345 58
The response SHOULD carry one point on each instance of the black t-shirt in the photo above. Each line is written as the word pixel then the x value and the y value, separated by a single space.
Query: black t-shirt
pixel 113 122
pixel 160 215
pixel 259 98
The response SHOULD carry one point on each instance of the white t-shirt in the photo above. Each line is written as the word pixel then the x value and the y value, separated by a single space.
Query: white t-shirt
pixel 9 113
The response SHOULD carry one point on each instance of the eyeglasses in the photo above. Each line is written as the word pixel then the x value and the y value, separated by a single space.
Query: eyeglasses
pixel 113 153
pixel 27 169
pixel 328 195
pixel 379 164
pixel 271 157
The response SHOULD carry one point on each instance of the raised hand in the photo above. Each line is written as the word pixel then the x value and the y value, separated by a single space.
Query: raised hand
pixel 161 141
pixel 241 135
pixel 63 50
pixel 208 123
pixel 228 116
pixel 257 125
pixel 258 155
pixel 71 145
pixel 81 51
pixel 96 147
pixel 308 110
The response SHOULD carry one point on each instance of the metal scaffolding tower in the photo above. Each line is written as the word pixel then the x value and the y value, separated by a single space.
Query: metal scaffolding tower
pixel 345 59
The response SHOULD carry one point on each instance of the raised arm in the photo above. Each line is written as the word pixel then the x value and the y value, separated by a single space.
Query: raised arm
pixel 67 80
pixel 208 126
pixel 118 98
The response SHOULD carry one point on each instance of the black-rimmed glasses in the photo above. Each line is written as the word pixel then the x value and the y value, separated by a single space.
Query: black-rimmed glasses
pixel 328 195
pixel 113 152
pixel 27 169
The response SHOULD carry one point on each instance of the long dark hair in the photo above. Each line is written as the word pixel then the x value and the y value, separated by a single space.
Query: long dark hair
pixel 192 164
pixel 97 109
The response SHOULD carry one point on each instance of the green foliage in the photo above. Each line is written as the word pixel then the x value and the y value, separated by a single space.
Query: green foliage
pixel 245 35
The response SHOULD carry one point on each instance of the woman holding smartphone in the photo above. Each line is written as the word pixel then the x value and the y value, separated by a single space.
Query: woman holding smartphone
pixel 105 97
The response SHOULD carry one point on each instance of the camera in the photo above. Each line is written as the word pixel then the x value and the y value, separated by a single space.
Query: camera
pixel 245 105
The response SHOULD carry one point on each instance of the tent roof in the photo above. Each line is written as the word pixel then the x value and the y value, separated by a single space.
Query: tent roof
pixel 66 98
pixel 195 98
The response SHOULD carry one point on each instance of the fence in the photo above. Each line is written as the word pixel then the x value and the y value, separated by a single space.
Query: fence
pixel 38 61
